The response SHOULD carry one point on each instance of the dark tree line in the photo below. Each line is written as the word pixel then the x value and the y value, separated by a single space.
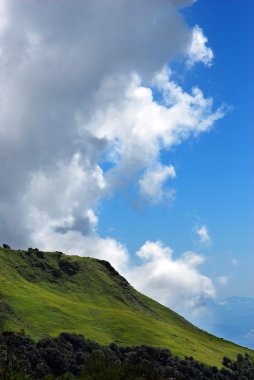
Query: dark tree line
pixel 71 356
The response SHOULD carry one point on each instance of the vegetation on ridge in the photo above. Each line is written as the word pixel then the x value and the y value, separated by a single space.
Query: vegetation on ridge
pixel 46 293
pixel 71 356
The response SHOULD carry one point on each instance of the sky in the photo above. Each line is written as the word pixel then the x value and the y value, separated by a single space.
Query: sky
pixel 126 134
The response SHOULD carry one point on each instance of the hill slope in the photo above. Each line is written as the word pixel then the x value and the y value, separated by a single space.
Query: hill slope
pixel 47 293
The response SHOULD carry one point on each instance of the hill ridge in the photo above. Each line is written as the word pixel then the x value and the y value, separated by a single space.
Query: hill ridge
pixel 45 293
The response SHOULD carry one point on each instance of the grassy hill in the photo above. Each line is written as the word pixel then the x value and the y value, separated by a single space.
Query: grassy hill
pixel 47 293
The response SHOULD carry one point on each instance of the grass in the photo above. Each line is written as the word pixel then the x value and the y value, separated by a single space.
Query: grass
pixel 47 293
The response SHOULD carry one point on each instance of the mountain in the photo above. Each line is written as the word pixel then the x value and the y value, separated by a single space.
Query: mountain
pixel 47 293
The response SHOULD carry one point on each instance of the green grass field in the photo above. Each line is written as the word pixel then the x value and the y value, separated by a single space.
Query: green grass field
pixel 47 293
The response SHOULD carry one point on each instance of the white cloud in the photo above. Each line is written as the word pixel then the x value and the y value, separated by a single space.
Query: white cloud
pixel 59 197
pixel 250 333
pixel 176 282
pixel 147 126
pixel 198 51
pixel 92 218
pixel 223 280
pixel 203 235
pixel 234 262
pixel 71 66
pixel 153 180
pixel 61 114
pixel 223 303
pixel 76 91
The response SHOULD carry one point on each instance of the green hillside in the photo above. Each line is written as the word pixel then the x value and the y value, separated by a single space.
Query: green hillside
pixel 47 293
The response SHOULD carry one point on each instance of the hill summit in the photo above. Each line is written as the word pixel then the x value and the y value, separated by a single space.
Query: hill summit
pixel 45 293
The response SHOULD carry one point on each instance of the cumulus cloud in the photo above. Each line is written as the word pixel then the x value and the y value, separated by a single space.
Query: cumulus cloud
pixel 147 126
pixel 58 197
pixel 198 51
pixel 76 95
pixel 203 235
pixel 176 282
pixel 151 184
pixel 53 75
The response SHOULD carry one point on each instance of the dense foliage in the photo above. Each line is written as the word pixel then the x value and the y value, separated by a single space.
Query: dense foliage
pixel 71 356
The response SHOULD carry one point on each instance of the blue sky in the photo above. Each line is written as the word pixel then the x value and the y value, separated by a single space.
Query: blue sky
pixel 126 135
pixel 214 185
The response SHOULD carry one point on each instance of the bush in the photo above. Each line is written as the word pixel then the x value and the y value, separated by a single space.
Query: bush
pixel 71 356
